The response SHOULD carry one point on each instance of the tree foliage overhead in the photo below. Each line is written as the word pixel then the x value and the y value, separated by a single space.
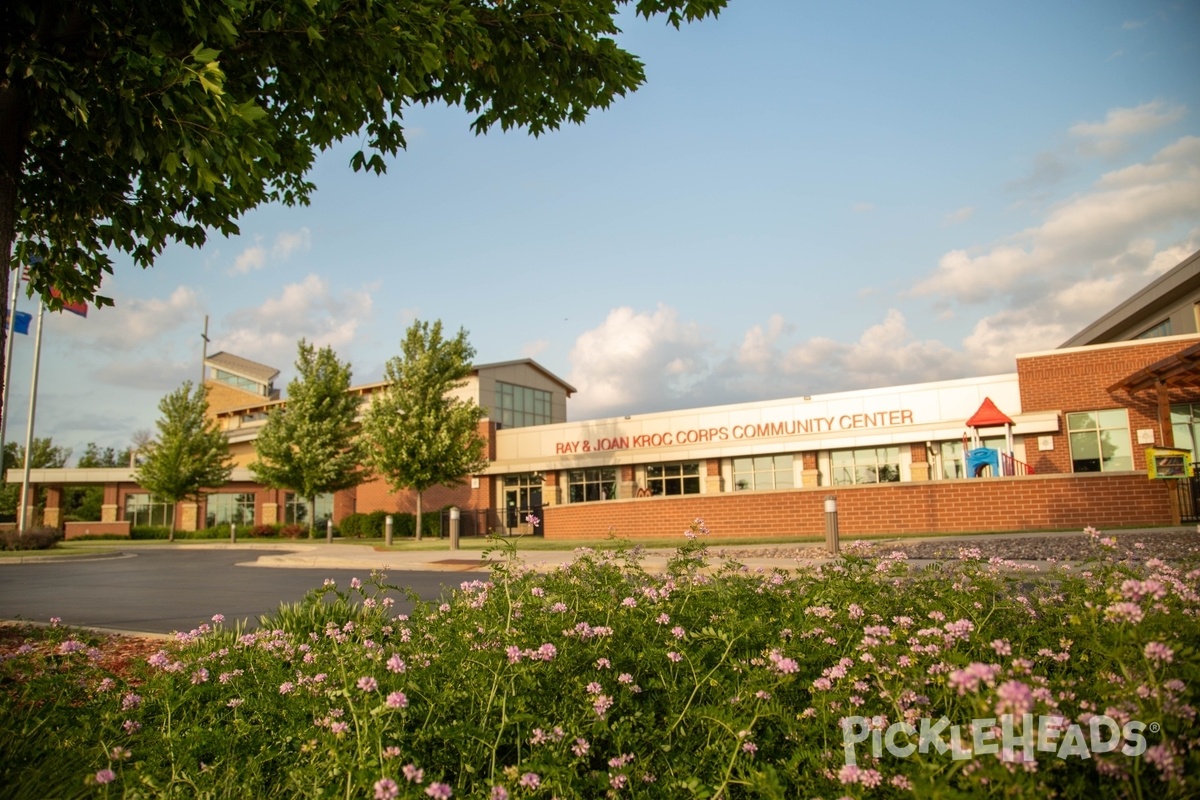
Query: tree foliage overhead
pixel 126 125
pixel 189 454
pixel 311 445
pixel 418 433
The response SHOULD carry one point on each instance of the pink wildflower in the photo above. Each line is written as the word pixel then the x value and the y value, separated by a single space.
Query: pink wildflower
pixel 397 700
pixel 439 791
pixel 105 776
pixel 1159 653
pixel 386 789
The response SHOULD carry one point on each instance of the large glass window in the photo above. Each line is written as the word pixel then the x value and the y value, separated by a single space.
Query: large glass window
pixel 1100 441
pixel 1161 329
pixel 230 507
pixel 238 382
pixel 295 509
pixel 671 479
pixel 143 510
pixel 1185 424
pixel 865 465
pixel 587 485
pixel 763 472
pixel 521 406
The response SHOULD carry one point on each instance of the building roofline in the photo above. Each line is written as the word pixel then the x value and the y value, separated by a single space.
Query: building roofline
pixel 242 367
pixel 1158 294
pixel 528 362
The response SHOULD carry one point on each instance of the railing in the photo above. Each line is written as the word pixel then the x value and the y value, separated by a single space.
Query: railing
pixel 1010 466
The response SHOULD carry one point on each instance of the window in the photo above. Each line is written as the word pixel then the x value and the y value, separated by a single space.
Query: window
pixel 142 510
pixel 866 465
pixel 672 479
pixel 229 507
pixel 238 382
pixel 1185 424
pixel 521 406
pixel 951 455
pixel 1100 441
pixel 1161 329
pixel 587 485
pixel 295 509
pixel 763 472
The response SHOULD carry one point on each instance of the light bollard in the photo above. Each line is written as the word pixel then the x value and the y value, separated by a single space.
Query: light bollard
pixel 329 531
pixel 232 533
pixel 455 515
pixel 387 530
pixel 831 525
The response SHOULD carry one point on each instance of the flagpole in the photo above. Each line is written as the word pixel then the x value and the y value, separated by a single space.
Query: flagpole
pixel 8 348
pixel 203 350
pixel 33 384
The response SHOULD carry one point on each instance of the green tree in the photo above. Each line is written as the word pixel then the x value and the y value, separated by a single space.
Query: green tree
pixel 310 445
pixel 44 454
pixel 130 124
pixel 86 502
pixel 189 454
pixel 417 433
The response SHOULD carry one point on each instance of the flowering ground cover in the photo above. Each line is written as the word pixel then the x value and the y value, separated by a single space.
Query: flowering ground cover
pixel 862 678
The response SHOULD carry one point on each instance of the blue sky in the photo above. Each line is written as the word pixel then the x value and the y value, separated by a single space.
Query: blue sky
pixel 804 197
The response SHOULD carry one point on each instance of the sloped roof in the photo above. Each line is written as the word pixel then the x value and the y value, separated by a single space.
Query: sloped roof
pixel 988 416
pixel 243 367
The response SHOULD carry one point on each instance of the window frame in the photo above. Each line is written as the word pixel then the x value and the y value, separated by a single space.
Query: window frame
pixel 859 464
pixel 1082 433
pixel 763 477
pixel 598 481
pixel 295 509
pixel 150 506
pixel 239 507
pixel 520 406
pixel 683 476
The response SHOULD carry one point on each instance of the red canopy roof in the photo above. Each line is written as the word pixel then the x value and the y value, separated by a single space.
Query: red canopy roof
pixel 988 416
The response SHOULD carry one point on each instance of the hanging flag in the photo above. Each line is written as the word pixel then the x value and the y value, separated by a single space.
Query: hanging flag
pixel 74 308
pixel 20 322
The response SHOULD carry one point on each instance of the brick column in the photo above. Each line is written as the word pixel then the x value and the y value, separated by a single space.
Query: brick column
pixel 626 486
pixel 810 474
pixel 52 514
pixel 188 517
pixel 550 493
pixel 712 477
pixel 920 461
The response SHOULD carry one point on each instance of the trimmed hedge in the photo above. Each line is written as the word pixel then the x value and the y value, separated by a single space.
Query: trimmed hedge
pixel 36 539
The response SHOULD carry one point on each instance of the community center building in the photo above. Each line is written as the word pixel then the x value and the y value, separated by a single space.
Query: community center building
pixel 1101 431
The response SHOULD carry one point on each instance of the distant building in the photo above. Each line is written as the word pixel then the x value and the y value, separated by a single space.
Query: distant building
pixel 1060 443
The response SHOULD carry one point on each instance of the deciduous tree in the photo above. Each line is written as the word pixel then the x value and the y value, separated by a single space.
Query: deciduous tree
pixel 189 454
pixel 129 124
pixel 310 445
pixel 44 454
pixel 418 433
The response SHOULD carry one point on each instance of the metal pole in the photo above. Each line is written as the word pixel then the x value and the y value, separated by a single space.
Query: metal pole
pixel 8 348
pixel 831 525
pixel 455 514
pixel 387 530
pixel 329 531
pixel 233 533
pixel 22 513
pixel 204 349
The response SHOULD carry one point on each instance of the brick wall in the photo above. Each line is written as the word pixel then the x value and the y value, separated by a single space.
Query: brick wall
pixel 1077 381
pixel 74 530
pixel 1035 502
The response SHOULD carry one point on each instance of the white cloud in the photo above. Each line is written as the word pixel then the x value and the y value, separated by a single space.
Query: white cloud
pixel 133 323
pixel 862 208
pixel 1111 136
pixel 1123 207
pixel 290 242
pixel 285 245
pixel 250 259
pixel 960 215
pixel 308 310
pixel 636 360
pixel 536 348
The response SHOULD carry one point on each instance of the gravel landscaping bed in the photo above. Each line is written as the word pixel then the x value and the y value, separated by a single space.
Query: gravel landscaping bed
pixel 1168 545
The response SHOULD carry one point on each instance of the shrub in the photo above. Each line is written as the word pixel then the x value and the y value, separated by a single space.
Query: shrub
pixel 147 532
pixel 36 539
pixel 265 530
pixel 352 524
pixel 293 531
